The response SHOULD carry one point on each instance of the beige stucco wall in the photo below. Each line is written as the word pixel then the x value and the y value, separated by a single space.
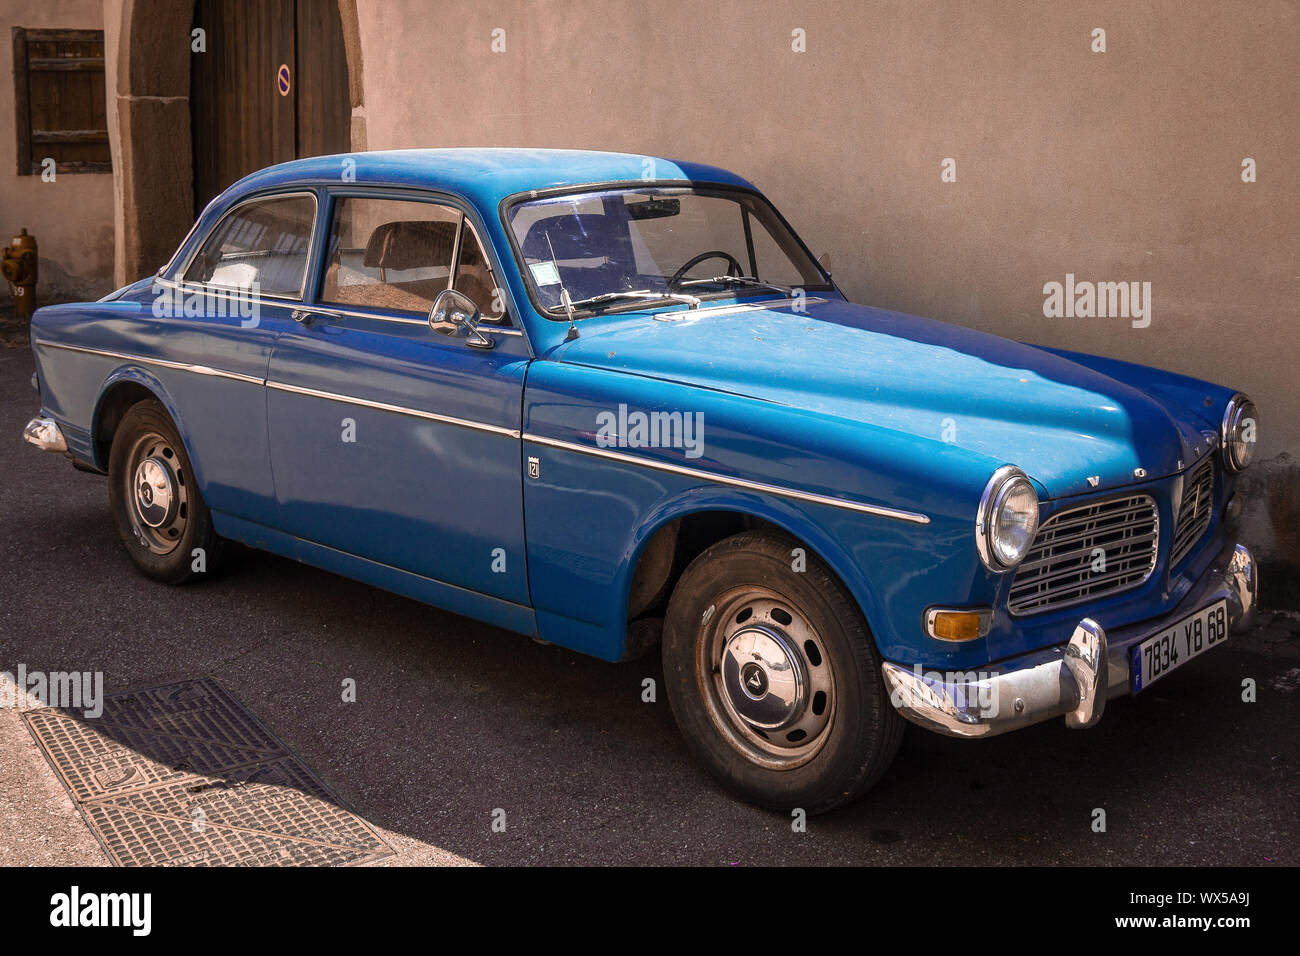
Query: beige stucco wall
pixel 1123 165
pixel 72 217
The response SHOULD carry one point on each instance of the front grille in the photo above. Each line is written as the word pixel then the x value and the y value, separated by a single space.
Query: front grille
pixel 1194 513
pixel 1064 566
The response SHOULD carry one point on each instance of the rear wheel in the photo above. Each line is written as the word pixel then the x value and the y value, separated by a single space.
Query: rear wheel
pixel 159 512
pixel 773 677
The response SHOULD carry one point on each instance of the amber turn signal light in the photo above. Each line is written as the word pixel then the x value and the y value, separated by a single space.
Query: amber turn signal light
pixel 958 624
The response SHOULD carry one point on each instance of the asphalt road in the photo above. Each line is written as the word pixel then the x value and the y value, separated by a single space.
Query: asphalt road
pixel 455 719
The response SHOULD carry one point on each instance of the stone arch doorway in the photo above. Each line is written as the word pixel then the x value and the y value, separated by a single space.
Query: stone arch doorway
pixel 153 132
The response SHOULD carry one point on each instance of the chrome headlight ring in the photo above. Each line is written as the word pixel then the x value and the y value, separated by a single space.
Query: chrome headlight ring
pixel 1237 432
pixel 1006 481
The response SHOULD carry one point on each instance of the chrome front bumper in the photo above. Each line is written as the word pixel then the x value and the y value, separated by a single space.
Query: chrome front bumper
pixel 1072 680
pixel 45 434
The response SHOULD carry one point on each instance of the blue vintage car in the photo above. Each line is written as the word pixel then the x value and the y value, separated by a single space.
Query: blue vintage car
pixel 613 402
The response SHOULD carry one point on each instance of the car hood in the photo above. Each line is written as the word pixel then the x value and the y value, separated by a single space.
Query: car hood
pixel 1060 421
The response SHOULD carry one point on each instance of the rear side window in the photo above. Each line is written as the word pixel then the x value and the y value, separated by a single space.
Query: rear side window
pixel 389 254
pixel 260 246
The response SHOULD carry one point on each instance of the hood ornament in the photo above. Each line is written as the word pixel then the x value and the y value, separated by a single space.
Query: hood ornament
pixel 1094 481
pixel 1139 472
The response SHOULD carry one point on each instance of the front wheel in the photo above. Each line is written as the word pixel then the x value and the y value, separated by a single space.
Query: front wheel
pixel 157 507
pixel 773 677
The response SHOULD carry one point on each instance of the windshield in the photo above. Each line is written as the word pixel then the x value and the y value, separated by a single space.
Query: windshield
pixel 621 248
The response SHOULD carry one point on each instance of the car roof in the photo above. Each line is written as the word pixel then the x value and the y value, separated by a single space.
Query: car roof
pixel 484 175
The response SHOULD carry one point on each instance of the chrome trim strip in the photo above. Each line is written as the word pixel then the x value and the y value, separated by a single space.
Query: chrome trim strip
pixel 399 409
pixel 714 477
pixel 163 363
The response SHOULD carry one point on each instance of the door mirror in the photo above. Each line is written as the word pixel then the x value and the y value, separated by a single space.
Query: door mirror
pixel 824 260
pixel 454 313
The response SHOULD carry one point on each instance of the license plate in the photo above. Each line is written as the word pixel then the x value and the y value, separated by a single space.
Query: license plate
pixel 1179 643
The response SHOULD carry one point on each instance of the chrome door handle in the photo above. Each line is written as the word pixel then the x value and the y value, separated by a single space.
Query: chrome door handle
pixel 308 316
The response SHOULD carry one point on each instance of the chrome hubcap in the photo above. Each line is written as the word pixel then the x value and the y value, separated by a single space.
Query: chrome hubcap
pixel 762 677
pixel 770 687
pixel 155 492
pixel 158 501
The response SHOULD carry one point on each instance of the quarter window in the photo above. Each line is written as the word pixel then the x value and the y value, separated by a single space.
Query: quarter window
pixel 261 246
pixel 474 277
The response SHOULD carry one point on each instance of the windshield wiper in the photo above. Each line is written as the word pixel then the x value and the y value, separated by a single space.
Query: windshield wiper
pixel 691 300
pixel 741 280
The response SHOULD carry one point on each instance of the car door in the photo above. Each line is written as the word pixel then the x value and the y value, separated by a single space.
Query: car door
pixel 222 310
pixel 391 441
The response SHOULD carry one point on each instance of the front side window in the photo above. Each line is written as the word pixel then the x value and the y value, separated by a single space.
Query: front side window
pixel 389 253
pixel 619 246
pixel 261 246
pixel 396 254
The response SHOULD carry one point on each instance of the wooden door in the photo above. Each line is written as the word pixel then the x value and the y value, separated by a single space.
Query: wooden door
pixel 271 86
pixel 323 107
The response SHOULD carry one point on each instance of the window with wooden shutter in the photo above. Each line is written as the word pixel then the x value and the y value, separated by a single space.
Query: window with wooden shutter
pixel 60 101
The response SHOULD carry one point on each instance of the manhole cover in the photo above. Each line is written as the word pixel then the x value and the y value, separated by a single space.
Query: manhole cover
pixel 183 775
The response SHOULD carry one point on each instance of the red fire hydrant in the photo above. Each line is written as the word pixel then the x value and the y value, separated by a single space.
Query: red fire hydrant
pixel 18 262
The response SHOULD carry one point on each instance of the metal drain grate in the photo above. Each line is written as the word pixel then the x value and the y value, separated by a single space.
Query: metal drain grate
pixel 183 775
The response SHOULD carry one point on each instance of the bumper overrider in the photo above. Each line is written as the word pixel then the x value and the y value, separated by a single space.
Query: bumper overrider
pixel 1072 680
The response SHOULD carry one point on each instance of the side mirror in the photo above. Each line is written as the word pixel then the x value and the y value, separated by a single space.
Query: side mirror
pixel 824 260
pixel 454 313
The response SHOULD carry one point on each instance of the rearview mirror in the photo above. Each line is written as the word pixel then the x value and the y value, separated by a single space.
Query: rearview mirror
pixel 654 209
pixel 454 313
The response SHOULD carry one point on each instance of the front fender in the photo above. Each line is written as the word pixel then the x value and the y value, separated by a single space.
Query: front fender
pixel 589 515
pixel 799 525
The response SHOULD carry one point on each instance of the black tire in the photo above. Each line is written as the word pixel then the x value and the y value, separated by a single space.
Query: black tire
pixel 164 551
pixel 727 616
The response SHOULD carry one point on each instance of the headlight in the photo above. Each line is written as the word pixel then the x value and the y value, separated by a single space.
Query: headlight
pixel 1007 519
pixel 1238 432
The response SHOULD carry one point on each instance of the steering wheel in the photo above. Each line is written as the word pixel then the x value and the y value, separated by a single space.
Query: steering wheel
pixel 733 268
